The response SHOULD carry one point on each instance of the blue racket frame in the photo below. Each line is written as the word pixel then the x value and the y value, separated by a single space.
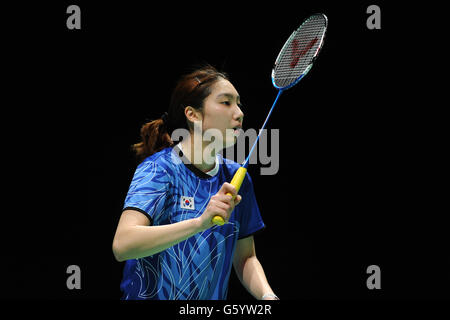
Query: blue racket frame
pixel 282 89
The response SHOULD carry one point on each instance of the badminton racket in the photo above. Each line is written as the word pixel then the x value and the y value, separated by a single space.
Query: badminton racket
pixel 293 62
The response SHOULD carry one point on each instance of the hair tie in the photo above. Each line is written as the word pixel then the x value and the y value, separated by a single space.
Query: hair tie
pixel 165 118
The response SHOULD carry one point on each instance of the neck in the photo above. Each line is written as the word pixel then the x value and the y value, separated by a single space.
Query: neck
pixel 193 150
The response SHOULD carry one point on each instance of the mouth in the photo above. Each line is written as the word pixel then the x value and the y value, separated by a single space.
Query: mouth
pixel 237 130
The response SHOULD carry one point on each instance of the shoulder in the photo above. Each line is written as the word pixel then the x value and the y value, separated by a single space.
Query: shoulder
pixel 159 164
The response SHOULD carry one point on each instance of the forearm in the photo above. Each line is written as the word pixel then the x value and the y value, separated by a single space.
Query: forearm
pixel 252 276
pixel 142 241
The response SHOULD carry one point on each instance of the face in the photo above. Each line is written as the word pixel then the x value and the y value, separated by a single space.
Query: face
pixel 221 111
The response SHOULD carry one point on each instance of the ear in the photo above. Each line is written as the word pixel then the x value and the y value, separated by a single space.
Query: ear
pixel 192 114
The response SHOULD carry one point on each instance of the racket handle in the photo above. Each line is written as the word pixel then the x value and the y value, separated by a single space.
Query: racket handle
pixel 236 182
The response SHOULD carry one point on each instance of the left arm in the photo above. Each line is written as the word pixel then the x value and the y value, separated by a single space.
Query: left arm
pixel 249 269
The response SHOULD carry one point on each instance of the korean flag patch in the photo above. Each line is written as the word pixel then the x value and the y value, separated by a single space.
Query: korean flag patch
pixel 187 203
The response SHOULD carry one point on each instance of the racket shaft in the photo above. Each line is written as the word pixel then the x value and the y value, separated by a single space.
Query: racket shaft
pixel 262 129
pixel 237 180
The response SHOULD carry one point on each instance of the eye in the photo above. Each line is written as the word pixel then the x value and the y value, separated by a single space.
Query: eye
pixel 227 103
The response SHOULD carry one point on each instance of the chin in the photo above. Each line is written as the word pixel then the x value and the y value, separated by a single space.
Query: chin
pixel 229 142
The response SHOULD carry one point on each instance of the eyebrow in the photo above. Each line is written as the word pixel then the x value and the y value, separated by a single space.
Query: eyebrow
pixel 229 95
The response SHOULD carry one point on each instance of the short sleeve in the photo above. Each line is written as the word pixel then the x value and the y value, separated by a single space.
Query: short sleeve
pixel 249 215
pixel 148 191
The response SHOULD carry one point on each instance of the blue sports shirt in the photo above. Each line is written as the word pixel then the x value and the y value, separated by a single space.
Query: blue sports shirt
pixel 167 189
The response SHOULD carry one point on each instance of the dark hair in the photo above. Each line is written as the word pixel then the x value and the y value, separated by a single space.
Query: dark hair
pixel 191 90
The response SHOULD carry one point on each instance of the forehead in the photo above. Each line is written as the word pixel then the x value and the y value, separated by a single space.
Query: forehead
pixel 224 88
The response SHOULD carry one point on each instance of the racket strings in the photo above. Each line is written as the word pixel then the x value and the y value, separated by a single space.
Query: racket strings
pixel 299 51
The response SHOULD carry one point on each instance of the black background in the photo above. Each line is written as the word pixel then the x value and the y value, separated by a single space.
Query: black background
pixel 359 179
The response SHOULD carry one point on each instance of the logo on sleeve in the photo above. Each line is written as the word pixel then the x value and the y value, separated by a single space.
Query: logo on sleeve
pixel 187 203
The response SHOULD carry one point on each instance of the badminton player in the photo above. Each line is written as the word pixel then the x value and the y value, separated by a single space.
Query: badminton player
pixel 165 234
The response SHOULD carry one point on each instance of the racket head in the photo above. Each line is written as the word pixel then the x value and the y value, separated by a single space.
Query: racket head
pixel 299 52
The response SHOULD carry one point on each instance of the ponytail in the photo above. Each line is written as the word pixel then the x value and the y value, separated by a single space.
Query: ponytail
pixel 154 137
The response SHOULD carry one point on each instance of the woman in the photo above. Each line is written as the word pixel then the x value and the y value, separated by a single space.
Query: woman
pixel 165 233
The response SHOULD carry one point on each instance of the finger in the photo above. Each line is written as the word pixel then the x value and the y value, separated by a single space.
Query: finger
pixel 223 205
pixel 222 213
pixel 228 188
pixel 237 200
pixel 225 198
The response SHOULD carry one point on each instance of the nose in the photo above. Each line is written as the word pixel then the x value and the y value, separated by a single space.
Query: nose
pixel 239 115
